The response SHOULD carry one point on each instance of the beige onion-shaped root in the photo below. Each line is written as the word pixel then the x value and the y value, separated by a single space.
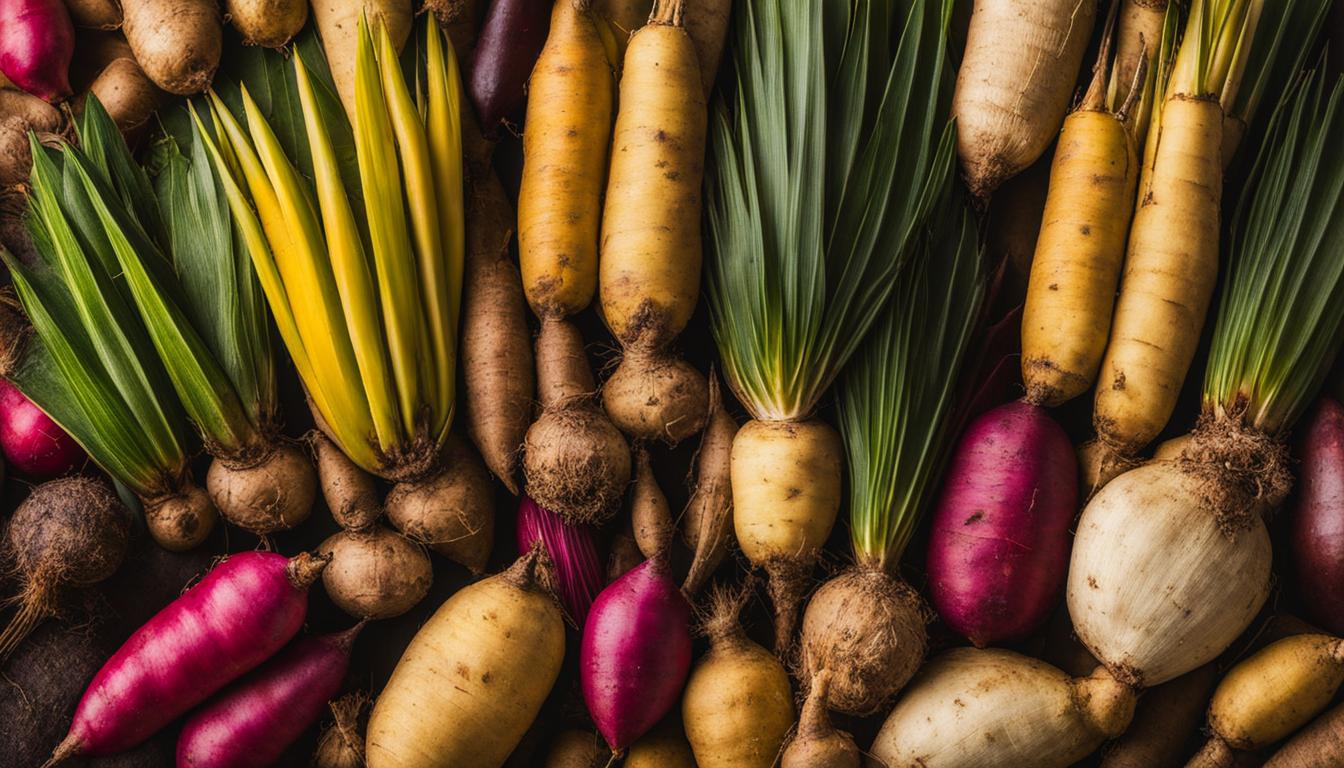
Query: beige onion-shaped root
pixel 375 574
pixel 1156 586
pixel 181 521
pixel 452 512
pixel 656 396
pixel 273 494
pixel 985 708
pixel 577 749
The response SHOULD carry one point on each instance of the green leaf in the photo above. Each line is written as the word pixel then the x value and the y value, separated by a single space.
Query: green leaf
pixel 896 397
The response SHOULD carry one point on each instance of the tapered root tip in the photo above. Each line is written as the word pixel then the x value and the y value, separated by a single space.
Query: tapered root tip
pixel 788 584
pixel 67 749
pixel 305 567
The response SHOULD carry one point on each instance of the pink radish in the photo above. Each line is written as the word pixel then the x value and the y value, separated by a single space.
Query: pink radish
pixel 1317 521
pixel 635 653
pixel 576 566
pixel 240 614
pixel 999 539
pixel 37 42
pixel 252 723
pixel 31 441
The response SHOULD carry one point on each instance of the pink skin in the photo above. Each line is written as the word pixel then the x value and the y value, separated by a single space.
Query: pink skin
pixel 635 653
pixel 999 539
pixel 579 574
pixel 31 441
pixel 251 724
pixel 1316 536
pixel 37 41
pixel 238 616
pixel 506 50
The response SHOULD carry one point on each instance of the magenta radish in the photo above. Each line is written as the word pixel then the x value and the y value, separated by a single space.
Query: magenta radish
pixel 635 653
pixel 37 42
pixel 257 718
pixel 1317 520
pixel 31 441
pixel 577 568
pixel 240 614
pixel 999 540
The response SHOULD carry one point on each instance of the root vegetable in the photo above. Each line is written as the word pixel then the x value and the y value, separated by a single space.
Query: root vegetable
pixel 176 42
pixel 1271 694
pixel 33 444
pixel 577 571
pixel 1138 40
pixel 738 705
pixel 663 747
pixel 707 24
pixel 510 40
pixel 707 522
pixel 235 618
pixel 183 520
pixel 577 749
pixel 999 539
pixel 342 743
pixel 451 512
pixel 625 554
pixel 37 42
pixel 985 708
pixel 649 513
pixel 817 743
pixel 474 677
pixel 350 492
pixel 274 494
pixel 67 533
pixel 651 250
pixel 256 719
pixel 1156 586
pixel 786 483
pixel 37 114
pixel 1319 745
pixel 375 573
pixel 1166 719
pixel 1013 88
pixel 95 14
pixel 635 653
pixel 1317 519
pixel 337 22
pixel 270 23
pixel 127 93
pixel 625 17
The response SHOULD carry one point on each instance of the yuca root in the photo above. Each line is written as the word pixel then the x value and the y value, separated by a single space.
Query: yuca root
pixel 451 512
pixel 350 492
pixel 817 742
pixel 707 523
pixel 1241 472
pixel 274 493
pixel 655 396
pixel 181 521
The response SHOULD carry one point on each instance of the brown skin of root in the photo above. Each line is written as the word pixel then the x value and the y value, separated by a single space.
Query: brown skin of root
pixel 177 42
pixel 577 749
pixel 576 463
pixel 1164 721
pixel 866 630
pixel 1241 472
pixel 268 23
pixel 1214 754
pixel 342 743
pixel 95 14
pixel 182 521
pixel 1099 463
pixel 625 553
pixel 817 743
pixel 127 93
pixel 563 372
pixel 375 574
pixel 451 512
pixel 36 113
pixel 788 581
pixel 350 492
pixel 273 494
pixel 707 523
pixel 1107 703
pixel 649 513
pixel 654 396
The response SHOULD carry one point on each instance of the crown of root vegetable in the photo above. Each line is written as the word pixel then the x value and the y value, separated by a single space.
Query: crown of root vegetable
pixel 362 266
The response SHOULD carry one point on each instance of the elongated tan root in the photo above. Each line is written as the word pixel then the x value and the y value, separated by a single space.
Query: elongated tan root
pixel 786 482
pixel 1169 275
pixel 337 22
pixel 452 512
pixel 649 514
pixel 817 743
pixel 182 520
pixel 1137 41
pixel 866 629
pixel 576 463
pixel 269 494
pixel 1022 58
pixel 625 553
pixel 375 574
pixel 350 492
pixel 1067 317
pixel 707 523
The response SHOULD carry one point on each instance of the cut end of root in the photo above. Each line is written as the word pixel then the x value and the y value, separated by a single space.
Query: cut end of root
pixel 654 396
pixel 1240 472
pixel 788 580
pixel 305 568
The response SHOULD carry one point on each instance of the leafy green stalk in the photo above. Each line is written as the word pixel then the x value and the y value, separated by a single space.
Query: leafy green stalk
pixel 826 158
pixel 1280 322
pixel 896 397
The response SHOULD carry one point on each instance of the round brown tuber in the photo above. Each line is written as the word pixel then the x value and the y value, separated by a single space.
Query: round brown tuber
pixel 375 574
pixel 127 93
pixel 350 492
pixel 577 463
pixel 182 520
pixel 273 494
pixel 451 512
pixel 176 42
pixel 817 743
pixel 655 396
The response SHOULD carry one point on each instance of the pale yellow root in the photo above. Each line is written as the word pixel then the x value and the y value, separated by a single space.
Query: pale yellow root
pixel 473 678
pixel 786 484
pixel 270 23
pixel 738 705
pixel 1138 39
pixel 663 747
pixel 651 252
pixel 176 42
pixel 565 144
pixel 1078 256
pixel 1013 88
pixel 1170 270
pixel 337 23
pixel 1274 692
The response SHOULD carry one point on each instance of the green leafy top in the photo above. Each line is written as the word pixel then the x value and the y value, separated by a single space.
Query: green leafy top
pixel 825 158
pixel 896 397
pixel 1281 318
